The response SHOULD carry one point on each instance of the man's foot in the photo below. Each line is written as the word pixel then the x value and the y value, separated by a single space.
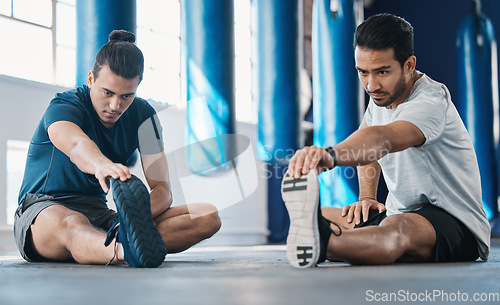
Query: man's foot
pixel 301 198
pixel 142 244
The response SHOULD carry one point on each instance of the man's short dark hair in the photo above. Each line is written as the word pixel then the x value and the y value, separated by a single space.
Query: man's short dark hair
pixel 122 56
pixel 386 31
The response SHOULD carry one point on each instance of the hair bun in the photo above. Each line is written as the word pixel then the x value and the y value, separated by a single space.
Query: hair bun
pixel 122 35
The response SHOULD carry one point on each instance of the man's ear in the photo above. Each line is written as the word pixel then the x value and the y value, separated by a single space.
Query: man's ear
pixel 410 64
pixel 90 79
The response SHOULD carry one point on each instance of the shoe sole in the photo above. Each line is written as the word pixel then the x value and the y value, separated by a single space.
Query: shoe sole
pixel 301 197
pixel 133 206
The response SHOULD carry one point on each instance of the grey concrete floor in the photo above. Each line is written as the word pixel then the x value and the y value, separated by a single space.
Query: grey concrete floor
pixel 248 275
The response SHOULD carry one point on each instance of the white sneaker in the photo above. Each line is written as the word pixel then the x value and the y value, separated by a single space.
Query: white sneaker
pixel 301 197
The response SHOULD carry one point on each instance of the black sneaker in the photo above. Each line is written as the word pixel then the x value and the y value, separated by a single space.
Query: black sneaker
pixel 301 197
pixel 142 244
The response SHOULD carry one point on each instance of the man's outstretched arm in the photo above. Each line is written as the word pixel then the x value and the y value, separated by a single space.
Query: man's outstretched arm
pixel 84 153
pixel 363 147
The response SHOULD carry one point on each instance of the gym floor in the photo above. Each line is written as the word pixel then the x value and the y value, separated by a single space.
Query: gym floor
pixel 248 275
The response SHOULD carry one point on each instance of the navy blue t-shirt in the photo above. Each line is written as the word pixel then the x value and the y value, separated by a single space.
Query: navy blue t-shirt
pixel 49 171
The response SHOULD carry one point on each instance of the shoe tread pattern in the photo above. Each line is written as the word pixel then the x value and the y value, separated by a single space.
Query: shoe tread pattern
pixel 132 200
pixel 301 200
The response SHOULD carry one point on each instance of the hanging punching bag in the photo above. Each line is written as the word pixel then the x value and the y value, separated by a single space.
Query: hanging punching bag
pixel 337 94
pixel 278 62
pixel 277 57
pixel 477 99
pixel 95 19
pixel 208 68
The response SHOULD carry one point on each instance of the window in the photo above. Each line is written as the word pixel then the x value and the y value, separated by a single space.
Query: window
pixel 245 110
pixel 158 36
pixel 36 31
pixel 16 158
pixel 65 43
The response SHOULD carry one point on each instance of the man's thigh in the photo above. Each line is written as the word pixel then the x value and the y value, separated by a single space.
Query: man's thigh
pixel 49 232
pixel 24 217
pixel 454 242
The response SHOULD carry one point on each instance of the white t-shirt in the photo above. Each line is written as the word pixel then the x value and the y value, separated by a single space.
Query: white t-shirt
pixel 443 171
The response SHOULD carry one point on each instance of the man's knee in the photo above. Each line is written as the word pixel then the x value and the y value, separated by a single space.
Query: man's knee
pixel 396 228
pixel 53 229
pixel 60 223
pixel 74 222
pixel 211 222
pixel 58 218
pixel 413 234
pixel 206 219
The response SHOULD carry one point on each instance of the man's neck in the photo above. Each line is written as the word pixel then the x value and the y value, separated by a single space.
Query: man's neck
pixel 415 76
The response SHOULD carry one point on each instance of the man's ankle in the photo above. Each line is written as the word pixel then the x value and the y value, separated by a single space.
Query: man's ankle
pixel 120 256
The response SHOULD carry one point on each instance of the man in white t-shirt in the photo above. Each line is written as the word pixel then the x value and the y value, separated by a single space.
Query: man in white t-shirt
pixel 412 133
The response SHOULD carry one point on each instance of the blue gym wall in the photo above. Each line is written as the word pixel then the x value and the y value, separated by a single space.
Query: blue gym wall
pixel 436 23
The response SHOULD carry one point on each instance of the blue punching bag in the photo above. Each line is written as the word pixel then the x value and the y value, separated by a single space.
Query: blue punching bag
pixel 477 97
pixel 208 68
pixel 337 93
pixel 277 56
pixel 278 78
pixel 95 20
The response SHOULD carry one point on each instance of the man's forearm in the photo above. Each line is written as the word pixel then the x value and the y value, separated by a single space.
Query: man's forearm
pixel 363 147
pixel 368 176
pixel 87 157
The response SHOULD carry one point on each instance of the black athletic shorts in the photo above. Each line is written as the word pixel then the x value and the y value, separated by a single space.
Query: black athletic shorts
pixel 95 209
pixel 454 241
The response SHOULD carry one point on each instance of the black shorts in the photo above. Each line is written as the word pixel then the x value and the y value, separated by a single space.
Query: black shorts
pixel 454 241
pixel 95 209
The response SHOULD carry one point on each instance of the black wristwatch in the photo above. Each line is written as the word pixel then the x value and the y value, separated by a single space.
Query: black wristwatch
pixel 330 150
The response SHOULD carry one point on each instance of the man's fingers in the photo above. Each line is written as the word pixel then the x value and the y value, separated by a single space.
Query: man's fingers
pixel 304 160
pixel 291 166
pixel 298 165
pixel 315 158
pixel 344 210
pixel 112 170
pixel 357 214
pixel 366 212
pixel 306 166
pixel 381 208
pixel 350 214
pixel 104 186
pixel 121 172
pixel 360 211
pixel 125 173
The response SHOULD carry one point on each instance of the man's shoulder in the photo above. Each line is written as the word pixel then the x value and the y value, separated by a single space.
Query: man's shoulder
pixel 140 109
pixel 72 105
pixel 429 90
pixel 78 96
pixel 142 103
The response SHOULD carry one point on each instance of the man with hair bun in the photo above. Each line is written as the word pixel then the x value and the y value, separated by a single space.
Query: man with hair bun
pixel 81 144
pixel 412 132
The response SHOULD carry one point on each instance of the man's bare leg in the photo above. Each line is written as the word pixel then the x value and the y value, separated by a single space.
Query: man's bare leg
pixel 61 234
pixel 184 226
pixel 408 237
